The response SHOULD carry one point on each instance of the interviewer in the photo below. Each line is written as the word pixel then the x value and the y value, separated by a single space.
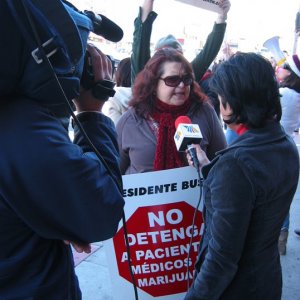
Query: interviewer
pixel 248 188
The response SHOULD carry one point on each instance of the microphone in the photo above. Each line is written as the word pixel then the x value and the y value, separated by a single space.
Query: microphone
pixel 105 27
pixel 187 134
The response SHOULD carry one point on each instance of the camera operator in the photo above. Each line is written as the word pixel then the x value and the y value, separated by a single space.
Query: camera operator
pixel 54 192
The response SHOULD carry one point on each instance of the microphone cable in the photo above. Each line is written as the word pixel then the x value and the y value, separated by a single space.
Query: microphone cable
pixel 129 257
pixel 88 140
pixel 200 178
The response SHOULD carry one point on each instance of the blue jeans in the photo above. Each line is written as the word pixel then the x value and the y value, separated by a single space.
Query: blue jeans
pixel 286 223
pixel 230 136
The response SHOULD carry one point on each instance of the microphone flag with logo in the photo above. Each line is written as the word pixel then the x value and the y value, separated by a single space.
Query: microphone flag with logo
pixel 187 134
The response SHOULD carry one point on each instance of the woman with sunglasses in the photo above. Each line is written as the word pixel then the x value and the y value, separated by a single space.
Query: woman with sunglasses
pixel 164 90
pixel 288 76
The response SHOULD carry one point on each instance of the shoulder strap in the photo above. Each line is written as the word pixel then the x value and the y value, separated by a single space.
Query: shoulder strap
pixel 54 23
pixel 59 31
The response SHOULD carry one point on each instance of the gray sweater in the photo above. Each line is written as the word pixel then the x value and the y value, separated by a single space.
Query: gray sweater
pixel 137 141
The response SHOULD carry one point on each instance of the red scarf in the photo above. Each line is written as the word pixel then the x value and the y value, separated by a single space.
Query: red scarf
pixel 166 154
pixel 241 129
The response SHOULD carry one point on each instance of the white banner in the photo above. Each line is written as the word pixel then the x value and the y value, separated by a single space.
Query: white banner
pixel 159 214
pixel 212 5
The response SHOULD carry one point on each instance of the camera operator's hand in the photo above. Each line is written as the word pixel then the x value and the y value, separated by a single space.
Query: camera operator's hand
pixel 102 69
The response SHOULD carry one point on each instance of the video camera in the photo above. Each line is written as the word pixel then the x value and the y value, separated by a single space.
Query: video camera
pixel 42 33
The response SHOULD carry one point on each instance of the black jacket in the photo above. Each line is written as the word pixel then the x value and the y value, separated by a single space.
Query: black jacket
pixel 248 190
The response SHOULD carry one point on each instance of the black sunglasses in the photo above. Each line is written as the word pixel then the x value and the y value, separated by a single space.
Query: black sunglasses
pixel 175 80
pixel 286 66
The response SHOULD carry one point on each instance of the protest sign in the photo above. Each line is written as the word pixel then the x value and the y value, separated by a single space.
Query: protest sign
pixel 212 5
pixel 159 214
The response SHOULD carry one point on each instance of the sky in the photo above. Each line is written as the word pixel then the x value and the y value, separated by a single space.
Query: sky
pixel 249 22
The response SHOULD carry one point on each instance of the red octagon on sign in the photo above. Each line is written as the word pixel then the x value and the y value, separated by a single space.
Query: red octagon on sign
pixel 159 238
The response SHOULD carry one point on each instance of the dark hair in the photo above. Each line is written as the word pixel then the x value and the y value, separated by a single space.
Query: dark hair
pixel 292 81
pixel 145 84
pixel 247 82
pixel 123 75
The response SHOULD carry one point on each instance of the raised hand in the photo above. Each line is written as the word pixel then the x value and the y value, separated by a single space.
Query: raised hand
pixel 225 6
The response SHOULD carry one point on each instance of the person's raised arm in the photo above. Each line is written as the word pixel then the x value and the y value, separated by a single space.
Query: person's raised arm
pixel 146 9
pixel 141 38
pixel 213 43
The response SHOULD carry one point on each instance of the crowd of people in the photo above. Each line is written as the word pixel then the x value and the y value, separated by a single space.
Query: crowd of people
pixel 57 193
